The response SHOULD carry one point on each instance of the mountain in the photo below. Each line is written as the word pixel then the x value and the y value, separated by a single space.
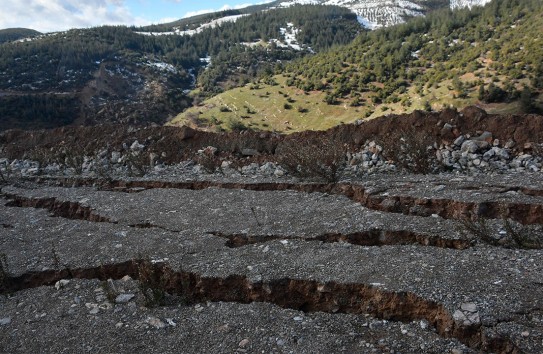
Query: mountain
pixel 383 13
pixel 14 34
pixel 149 74
pixel 489 56
pixel 127 75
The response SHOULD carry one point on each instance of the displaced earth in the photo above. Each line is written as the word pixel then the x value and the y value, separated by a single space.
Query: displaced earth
pixel 189 260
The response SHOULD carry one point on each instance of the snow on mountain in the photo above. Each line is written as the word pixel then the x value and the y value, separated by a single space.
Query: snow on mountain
pixel 371 13
pixel 374 14
pixel 455 4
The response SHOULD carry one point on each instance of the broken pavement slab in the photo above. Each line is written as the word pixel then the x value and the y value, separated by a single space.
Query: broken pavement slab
pixel 487 297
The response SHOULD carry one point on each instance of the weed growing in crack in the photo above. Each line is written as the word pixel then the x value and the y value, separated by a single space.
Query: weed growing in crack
pixel 54 256
pixel 256 218
pixel 109 289
pixel 4 270
pixel 5 172
pixel 152 283
pixel 515 235
pixel 479 230
pixel 523 237
pixel 322 158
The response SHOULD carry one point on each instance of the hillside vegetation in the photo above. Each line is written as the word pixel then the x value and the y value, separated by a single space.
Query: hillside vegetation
pixel 13 34
pixel 489 56
pixel 118 74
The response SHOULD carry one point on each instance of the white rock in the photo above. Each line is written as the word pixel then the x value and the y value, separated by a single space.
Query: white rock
pixel 61 283
pixel 156 322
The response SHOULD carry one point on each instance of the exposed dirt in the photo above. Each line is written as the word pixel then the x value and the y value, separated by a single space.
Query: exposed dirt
pixel 178 144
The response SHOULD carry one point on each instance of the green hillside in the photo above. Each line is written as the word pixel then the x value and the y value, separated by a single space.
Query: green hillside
pixel 488 56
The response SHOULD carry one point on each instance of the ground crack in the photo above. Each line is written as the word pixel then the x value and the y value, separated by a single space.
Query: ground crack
pixel 59 208
pixel 373 237
pixel 297 294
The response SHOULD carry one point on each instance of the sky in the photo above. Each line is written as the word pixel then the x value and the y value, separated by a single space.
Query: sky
pixel 59 15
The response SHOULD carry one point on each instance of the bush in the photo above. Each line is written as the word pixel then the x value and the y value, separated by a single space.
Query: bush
pixel 323 158
pixel 410 149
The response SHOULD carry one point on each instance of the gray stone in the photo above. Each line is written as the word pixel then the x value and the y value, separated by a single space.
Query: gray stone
pixel 124 298
pixel 469 306
pixel 5 321
pixel 136 146
pixel 156 322
pixel 249 152
pixel 459 141
pixel 472 146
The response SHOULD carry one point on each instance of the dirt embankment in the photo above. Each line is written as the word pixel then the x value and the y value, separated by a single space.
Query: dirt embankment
pixel 176 144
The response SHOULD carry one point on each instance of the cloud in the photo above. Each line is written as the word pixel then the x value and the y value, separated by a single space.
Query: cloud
pixel 56 15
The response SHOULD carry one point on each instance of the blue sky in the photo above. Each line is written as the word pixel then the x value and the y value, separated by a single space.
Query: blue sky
pixel 57 15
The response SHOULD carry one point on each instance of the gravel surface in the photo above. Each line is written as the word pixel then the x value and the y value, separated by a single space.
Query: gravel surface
pixel 265 271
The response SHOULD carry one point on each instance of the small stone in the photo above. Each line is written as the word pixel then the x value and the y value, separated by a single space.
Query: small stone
pixel 61 283
pixel 424 324
pixel 156 322
pixel 124 298
pixel 171 322
pixel 469 306
pixel 119 325
pixel 525 334
pixel 459 141
pixel 279 173
pixel 5 321
pixel 298 318
pixel 280 342
pixel 249 152
pixel 136 146
pixel 243 343
pixel 94 310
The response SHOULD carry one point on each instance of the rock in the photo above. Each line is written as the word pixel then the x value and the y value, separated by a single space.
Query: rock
pixel 485 136
pixel 501 153
pixel 209 151
pixel 469 306
pixel 489 154
pixel 243 343
pixel 249 152
pixel 472 146
pixel 115 157
pixel 424 324
pixel 5 321
pixel 156 322
pixel 186 133
pixel 459 141
pixel 389 205
pixel 474 112
pixel 61 283
pixel 124 298
pixel 136 146
pixel 279 173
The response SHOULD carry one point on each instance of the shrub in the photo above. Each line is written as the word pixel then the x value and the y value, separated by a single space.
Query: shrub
pixel 323 158
pixel 410 149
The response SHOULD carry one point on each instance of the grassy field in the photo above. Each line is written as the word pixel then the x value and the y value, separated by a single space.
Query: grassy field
pixel 280 108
